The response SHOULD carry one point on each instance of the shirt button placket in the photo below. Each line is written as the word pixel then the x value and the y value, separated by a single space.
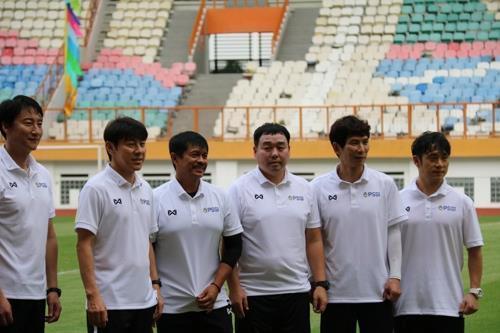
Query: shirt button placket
pixel 192 207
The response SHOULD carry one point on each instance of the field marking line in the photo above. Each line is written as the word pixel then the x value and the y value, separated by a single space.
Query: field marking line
pixel 68 272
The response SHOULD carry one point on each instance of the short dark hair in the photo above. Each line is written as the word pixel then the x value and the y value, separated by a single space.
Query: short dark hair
pixel 124 128
pixel 346 127
pixel 180 142
pixel 430 141
pixel 270 128
pixel 11 108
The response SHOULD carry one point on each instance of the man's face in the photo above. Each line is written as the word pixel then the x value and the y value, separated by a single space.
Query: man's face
pixel 192 163
pixel 26 130
pixel 354 152
pixel 432 166
pixel 127 156
pixel 272 153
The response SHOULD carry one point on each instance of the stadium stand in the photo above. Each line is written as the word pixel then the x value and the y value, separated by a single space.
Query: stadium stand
pixel 384 52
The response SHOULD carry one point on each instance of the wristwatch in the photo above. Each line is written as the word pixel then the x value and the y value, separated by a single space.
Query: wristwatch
pixel 157 282
pixel 477 292
pixel 324 284
pixel 54 290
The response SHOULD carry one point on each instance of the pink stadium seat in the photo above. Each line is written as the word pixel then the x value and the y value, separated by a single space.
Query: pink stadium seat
pixel 42 52
pixel 17 60
pixel 438 54
pixel 490 45
pixel 11 42
pixel 19 51
pixel 441 47
pixel 190 68
pixel 6 60
pixel 41 60
pixel 32 43
pixel 454 46
pixel 8 52
pixel 30 52
pixel 28 60
pixel 477 45
pixel 418 47
pixel 415 54
pixel 53 52
pixel 462 53
pixel 430 46
pixel 450 53
pixel 465 46
pixel 2 43
pixel 181 80
pixel 474 53
pixel 22 43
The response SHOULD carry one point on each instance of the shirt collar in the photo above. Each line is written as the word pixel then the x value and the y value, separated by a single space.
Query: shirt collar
pixel 181 192
pixel 363 179
pixel 10 164
pixel 119 180
pixel 263 180
pixel 441 191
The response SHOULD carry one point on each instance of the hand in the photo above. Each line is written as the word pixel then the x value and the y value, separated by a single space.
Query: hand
pixel 54 308
pixel 6 317
pixel 159 306
pixel 392 290
pixel 239 301
pixel 207 298
pixel 469 305
pixel 319 299
pixel 96 309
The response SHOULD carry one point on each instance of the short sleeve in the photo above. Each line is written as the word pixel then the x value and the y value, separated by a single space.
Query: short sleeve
pixel 153 237
pixel 232 224
pixel 313 218
pixel 234 197
pixel 153 224
pixel 395 208
pixel 89 212
pixel 52 208
pixel 471 229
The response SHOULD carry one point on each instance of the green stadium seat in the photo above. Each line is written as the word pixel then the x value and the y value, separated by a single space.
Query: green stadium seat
pixel 452 17
pixel 445 8
pixel 494 35
pixel 457 8
pixel 406 9
pixel 419 9
pixel 404 19
pixel 443 18
pixel 464 17
pixel 432 8
pixel 450 27
pixel 446 37
pixel 429 18
pixel 469 7
pixel 495 25
pixel 488 17
pixel 401 28
pixel 426 27
pixel 476 16
pixel 482 35
pixel 470 36
pixel 414 28
pixel 438 27
pixel 399 39
pixel 412 38
pixel 473 26
pixel 462 26
pixel 423 37
pixel 485 26
pixel 480 7
pixel 417 18
pixel 435 37
pixel 458 36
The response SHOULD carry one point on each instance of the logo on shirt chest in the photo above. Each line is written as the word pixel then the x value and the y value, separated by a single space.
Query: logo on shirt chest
pixel 211 210
pixel 41 185
pixel 145 202
pixel 172 212
pixel 296 198
pixel 13 184
pixel 332 197
pixel 371 194
pixel 407 209
pixel 117 201
pixel 259 196
pixel 447 208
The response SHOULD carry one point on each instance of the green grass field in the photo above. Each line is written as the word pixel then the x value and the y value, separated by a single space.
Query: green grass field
pixel 73 299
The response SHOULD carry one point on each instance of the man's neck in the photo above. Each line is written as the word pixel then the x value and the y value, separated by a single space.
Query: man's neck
pixel 189 184
pixel 348 174
pixel 275 178
pixel 428 188
pixel 19 157
pixel 129 177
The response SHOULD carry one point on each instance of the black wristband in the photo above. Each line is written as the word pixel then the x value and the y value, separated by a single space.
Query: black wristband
pixel 216 286
pixel 158 282
pixel 54 290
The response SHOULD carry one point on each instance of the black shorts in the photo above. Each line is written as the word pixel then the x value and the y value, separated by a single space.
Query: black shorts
pixel 29 316
pixel 216 321
pixel 371 317
pixel 126 321
pixel 285 313
pixel 428 324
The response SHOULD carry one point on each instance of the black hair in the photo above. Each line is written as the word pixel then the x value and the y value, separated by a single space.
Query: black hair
pixel 124 128
pixel 180 142
pixel 430 141
pixel 346 127
pixel 270 128
pixel 11 108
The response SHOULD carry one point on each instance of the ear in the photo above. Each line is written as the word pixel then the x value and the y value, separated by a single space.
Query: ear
pixel 254 150
pixel 173 157
pixel 336 148
pixel 416 161
pixel 110 147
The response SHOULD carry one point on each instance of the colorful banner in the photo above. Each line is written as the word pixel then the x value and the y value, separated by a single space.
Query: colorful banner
pixel 72 69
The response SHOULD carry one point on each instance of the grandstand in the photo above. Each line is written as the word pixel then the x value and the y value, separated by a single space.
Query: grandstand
pixel 404 65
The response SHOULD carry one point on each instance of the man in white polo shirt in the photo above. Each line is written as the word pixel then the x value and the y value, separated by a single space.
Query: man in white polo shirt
pixel 441 221
pixel 113 222
pixel 360 211
pixel 193 216
pixel 28 244
pixel 281 242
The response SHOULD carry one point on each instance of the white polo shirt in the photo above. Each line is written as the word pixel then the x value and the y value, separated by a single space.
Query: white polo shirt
pixel 274 220
pixel 438 227
pixel 355 219
pixel 26 205
pixel 120 215
pixel 187 242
